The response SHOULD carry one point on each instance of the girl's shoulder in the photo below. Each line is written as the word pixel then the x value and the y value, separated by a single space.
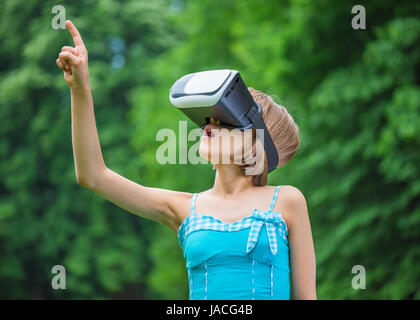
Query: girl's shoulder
pixel 291 203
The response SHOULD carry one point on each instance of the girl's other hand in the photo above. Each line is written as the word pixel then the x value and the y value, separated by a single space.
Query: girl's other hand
pixel 74 61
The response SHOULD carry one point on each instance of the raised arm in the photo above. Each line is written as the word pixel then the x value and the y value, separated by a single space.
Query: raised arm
pixel 86 148
pixel 164 206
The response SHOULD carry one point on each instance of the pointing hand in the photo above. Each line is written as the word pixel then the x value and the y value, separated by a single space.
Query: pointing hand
pixel 74 60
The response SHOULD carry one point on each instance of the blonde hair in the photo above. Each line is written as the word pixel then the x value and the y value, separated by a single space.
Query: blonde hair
pixel 283 131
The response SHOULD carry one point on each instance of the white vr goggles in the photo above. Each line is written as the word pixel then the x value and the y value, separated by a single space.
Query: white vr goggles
pixel 221 95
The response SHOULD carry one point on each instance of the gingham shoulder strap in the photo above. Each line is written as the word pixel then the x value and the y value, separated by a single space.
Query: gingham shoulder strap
pixel 193 203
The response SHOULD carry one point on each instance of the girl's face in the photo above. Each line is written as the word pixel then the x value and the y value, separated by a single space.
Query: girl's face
pixel 220 145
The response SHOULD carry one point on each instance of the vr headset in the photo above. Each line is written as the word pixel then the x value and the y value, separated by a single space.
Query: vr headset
pixel 221 95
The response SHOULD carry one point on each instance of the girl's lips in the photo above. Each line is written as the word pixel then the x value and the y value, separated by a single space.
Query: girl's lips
pixel 208 132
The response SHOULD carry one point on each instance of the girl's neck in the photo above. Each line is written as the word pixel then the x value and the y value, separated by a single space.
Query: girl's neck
pixel 230 181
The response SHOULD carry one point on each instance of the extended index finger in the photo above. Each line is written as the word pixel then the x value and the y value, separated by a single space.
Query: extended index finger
pixel 78 42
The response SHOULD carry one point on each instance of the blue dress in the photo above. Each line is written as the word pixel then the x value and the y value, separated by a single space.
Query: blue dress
pixel 244 260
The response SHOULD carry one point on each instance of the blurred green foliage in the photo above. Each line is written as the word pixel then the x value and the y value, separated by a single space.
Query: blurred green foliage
pixel 354 94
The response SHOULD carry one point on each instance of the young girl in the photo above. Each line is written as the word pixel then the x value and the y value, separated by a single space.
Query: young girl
pixel 241 239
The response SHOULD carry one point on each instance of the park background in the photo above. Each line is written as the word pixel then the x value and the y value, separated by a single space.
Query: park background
pixel 355 95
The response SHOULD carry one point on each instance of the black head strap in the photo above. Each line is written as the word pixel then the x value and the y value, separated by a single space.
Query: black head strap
pixel 256 118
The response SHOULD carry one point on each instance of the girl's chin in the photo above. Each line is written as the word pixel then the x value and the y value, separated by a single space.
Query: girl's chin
pixel 205 155
pixel 204 137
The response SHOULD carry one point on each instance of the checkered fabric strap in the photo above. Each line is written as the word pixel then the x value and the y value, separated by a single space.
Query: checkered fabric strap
pixel 270 219
pixel 192 210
